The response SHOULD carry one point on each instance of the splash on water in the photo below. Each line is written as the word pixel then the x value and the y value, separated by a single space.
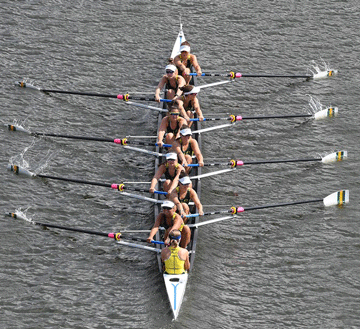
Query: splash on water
pixel 315 104
pixel 20 159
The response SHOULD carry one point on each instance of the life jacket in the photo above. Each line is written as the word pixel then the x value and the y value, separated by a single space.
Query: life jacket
pixel 174 265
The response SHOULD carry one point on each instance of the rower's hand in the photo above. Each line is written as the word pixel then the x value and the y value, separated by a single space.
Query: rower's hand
pixel 185 164
pixel 149 240
pixel 160 144
pixel 201 164
pixel 201 213
pixel 199 74
pixel 167 241
pixel 187 119
pixel 152 190
pixel 157 98
pixel 201 118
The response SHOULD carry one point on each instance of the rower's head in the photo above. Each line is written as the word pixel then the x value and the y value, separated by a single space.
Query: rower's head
pixel 175 237
pixel 184 181
pixel 185 48
pixel 190 91
pixel 171 158
pixel 170 70
pixel 168 207
pixel 173 110
pixel 185 132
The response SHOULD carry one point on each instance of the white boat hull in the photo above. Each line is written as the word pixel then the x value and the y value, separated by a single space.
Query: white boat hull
pixel 175 288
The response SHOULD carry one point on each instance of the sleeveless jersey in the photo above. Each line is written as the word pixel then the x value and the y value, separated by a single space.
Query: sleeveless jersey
pixel 174 265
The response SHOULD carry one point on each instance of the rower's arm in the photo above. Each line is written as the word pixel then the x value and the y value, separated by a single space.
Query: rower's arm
pixel 162 130
pixel 198 109
pixel 197 202
pixel 197 152
pixel 158 89
pixel 175 181
pixel 154 230
pixel 181 83
pixel 182 110
pixel 196 65
pixel 177 149
pixel 174 198
pixel 178 63
pixel 156 178
pixel 187 261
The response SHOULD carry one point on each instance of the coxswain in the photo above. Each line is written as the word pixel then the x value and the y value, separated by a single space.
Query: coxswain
pixel 170 125
pixel 182 195
pixel 172 82
pixel 186 147
pixel 170 220
pixel 175 258
pixel 171 169
pixel 185 60
pixel 189 102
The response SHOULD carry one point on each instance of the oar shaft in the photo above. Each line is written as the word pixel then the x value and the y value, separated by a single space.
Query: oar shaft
pixel 240 118
pixel 282 204
pixel 115 236
pixel 303 76
pixel 123 141
pixel 98 139
pixel 241 75
pixel 74 180
pixel 79 93
pixel 278 117
pixel 280 161
pixel 72 229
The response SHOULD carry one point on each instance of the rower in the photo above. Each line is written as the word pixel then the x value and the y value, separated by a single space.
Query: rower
pixel 182 195
pixel 186 147
pixel 172 81
pixel 189 103
pixel 170 125
pixel 170 220
pixel 175 258
pixel 171 169
pixel 185 60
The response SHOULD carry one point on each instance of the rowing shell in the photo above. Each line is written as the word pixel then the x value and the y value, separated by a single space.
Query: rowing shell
pixel 176 284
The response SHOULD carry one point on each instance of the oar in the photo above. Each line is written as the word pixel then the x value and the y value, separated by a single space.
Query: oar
pixel 116 236
pixel 329 112
pixel 332 157
pixel 120 187
pixel 119 141
pixel 124 97
pixel 232 75
pixel 338 198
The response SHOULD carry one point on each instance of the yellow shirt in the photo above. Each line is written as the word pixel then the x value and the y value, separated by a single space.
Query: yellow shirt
pixel 174 265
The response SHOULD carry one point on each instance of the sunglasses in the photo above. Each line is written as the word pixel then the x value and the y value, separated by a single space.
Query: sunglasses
pixel 168 71
pixel 175 113
pixel 167 208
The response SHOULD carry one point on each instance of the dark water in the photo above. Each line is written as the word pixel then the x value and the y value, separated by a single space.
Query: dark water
pixel 295 267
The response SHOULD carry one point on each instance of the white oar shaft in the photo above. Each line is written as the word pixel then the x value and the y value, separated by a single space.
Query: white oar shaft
pixel 138 246
pixel 140 197
pixel 211 221
pixel 212 128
